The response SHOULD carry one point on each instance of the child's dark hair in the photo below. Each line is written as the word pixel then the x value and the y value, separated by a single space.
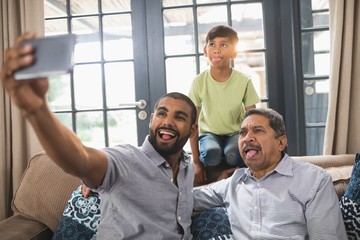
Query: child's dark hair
pixel 223 31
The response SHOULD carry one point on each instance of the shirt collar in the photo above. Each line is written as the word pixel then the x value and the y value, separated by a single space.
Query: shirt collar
pixel 158 160
pixel 284 168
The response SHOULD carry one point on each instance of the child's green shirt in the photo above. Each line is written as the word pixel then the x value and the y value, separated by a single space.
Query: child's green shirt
pixel 222 104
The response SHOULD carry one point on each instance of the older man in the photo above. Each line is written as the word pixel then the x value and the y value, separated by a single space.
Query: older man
pixel 276 197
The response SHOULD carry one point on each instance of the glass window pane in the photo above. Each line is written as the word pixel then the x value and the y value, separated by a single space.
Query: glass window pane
pixel 54 8
pixel 179 79
pixel 90 128
pixel 247 19
pixel 167 3
pixel 321 19
pixel 319 4
pixel 314 141
pixel 209 1
pixel 315 53
pixel 262 105
pixel 87 81
pixel 59 95
pixel 56 27
pixel 316 14
pixel 316 87
pixel 322 86
pixel 322 64
pixel 88 46
pixel 80 7
pixel 122 127
pixel 115 6
pixel 66 119
pixel 253 65
pixel 318 64
pixel 212 15
pixel 316 41
pixel 118 37
pixel 179 31
pixel 120 83
pixel 316 101
pixel 322 41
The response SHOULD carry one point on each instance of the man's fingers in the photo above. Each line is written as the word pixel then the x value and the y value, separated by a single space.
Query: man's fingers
pixel 205 175
pixel 25 36
pixel 17 55
pixel 16 58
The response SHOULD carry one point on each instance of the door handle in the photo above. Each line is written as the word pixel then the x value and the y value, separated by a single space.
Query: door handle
pixel 140 104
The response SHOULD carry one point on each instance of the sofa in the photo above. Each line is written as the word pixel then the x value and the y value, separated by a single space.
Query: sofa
pixel 45 189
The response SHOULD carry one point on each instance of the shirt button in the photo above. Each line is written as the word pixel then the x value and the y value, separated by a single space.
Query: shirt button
pixel 179 218
pixel 171 180
pixel 180 193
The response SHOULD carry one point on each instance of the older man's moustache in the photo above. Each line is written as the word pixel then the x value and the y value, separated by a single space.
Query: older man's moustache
pixel 248 146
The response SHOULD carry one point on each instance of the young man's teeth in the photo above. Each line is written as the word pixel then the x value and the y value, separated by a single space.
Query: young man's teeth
pixel 167 133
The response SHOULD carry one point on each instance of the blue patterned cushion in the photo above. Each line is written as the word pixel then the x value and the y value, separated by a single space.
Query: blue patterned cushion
pixel 350 203
pixel 212 224
pixel 80 218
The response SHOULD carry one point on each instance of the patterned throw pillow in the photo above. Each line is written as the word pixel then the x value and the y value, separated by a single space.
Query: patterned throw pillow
pixel 211 225
pixel 350 203
pixel 80 217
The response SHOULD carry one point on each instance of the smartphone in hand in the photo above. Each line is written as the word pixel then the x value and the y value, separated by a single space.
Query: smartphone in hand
pixel 53 56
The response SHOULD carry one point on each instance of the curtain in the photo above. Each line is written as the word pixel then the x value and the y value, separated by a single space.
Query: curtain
pixel 342 132
pixel 18 141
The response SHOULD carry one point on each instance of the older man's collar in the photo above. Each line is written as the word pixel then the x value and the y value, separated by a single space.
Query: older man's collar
pixel 285 166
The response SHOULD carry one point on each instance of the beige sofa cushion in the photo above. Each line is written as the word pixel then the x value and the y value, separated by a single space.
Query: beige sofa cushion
pixel 44 191
pixel 339 166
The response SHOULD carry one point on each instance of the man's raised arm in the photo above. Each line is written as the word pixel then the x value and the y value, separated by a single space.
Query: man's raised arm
pixel 59 142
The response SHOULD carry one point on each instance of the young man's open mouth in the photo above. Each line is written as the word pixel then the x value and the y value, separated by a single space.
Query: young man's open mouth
pixel 167 135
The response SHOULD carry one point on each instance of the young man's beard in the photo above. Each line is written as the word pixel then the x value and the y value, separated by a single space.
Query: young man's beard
pixel 165 150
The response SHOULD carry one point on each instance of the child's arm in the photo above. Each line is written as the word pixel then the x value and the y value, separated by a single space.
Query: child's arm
pixel 199 169
pixel 200 173
pixel 250 107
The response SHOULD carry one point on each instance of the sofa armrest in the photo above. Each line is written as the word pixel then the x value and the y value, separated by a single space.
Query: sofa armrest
pixel 44 191
pixel 338 166
pixel 329 161
pixel 21 228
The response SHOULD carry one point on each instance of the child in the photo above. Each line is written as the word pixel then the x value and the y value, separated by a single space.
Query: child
pixel 221 95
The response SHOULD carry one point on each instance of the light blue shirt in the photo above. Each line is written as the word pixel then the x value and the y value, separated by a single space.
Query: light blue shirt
pixel 139 199
pixel 295 201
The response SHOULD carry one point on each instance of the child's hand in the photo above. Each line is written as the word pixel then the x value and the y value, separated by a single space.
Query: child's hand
pixel 200 175
pixel 85 191
pixel 227 173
